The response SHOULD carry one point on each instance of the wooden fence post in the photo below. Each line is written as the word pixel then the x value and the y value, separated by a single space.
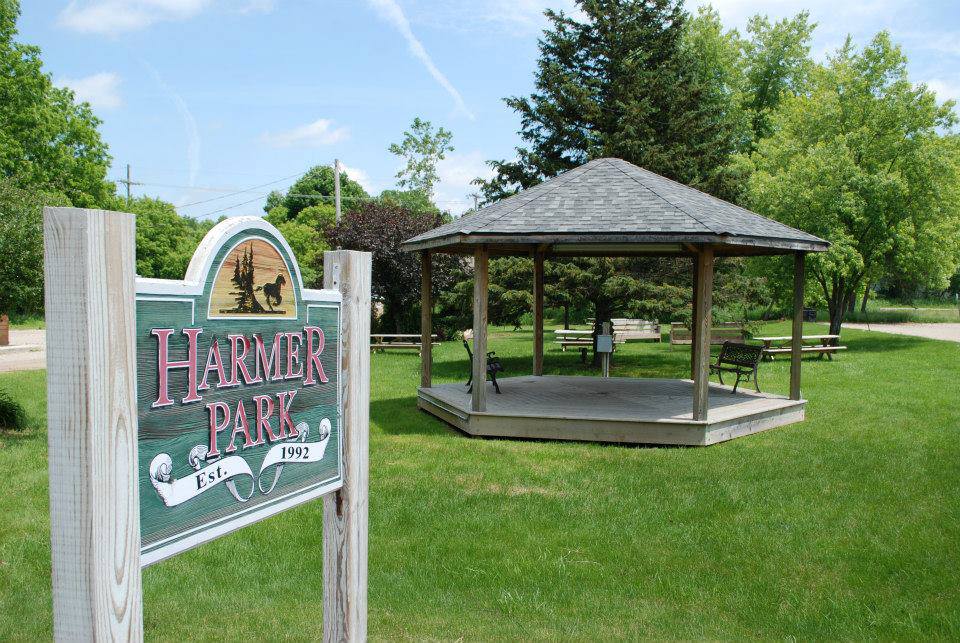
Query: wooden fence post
pixel 89 269
pixel 345 511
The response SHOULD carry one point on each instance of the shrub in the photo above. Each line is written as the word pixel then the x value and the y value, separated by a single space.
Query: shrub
pixel 12 415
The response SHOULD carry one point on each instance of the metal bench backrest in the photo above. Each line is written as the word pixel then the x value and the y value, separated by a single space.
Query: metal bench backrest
pixel 740 354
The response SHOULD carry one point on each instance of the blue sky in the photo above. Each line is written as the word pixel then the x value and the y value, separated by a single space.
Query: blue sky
pixel 205 98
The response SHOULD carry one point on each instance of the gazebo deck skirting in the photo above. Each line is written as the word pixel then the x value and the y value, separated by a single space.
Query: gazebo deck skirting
pixel 617 409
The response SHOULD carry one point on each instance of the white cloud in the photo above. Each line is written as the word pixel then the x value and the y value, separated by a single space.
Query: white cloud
pixel 456 172
pixel 257 6
pixel 519 18
pixel 319 132
pixel 390 11
pixel 361 177
pixel 112 17
pixel 101 90
pixel 944 89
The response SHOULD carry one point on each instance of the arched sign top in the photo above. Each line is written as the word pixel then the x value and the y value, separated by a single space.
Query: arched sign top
pixel 219 235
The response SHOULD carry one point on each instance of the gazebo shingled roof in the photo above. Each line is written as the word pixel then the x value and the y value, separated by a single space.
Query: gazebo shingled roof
pixel 610 201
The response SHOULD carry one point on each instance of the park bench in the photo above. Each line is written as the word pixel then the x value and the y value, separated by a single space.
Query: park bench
pixel 625 330
pixel 719 333
pixel 493 363
pixel 580 339
pixel 381 342
pixel 743 360
pixel 820 344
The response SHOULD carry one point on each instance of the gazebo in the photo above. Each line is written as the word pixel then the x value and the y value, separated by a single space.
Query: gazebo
pixel 610 208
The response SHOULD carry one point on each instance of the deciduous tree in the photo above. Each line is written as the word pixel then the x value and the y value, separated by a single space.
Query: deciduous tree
pixel 422 148
pixel 315 187
pixel 380 228
pixel 865 159
pixel 47 140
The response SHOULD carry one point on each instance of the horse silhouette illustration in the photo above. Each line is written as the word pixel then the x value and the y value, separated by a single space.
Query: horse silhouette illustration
pixel 271 292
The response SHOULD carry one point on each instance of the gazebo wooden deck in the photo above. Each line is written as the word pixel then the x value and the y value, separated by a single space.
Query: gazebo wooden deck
pixel 610 208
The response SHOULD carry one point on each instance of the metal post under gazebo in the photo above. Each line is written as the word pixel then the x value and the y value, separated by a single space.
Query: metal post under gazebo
pixel 610 208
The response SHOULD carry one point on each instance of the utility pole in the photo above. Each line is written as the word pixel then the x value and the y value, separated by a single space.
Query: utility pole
pixel 336 187
pixel 128 182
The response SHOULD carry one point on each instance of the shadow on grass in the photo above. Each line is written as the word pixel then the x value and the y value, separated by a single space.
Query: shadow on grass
pixel 400 416
pixel 887 344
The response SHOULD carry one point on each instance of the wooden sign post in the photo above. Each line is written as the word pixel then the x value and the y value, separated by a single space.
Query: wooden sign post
pixel 180 411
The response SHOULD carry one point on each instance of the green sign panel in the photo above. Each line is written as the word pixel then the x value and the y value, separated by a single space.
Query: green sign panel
pixel 238 390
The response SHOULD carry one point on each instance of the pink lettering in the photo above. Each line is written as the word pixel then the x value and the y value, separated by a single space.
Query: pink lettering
pixel 293 355
pixel 165 365
pixel 240 425
pixel 215 426
pixel 264 366
pixel 286 401
pixel 313 355
pixel 214 363
pixel 264 411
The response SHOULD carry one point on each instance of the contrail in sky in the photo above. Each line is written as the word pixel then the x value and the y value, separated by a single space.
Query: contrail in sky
pixel 189 123
pixel 390 11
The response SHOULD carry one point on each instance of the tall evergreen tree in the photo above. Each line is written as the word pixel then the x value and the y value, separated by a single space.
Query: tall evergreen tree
pixel 618 82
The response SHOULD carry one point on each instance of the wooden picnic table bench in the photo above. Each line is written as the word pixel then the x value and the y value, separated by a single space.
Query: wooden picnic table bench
pixel 381 341
pixel 820 344
pixel 719 333
pixel 582 339
pixel 627 329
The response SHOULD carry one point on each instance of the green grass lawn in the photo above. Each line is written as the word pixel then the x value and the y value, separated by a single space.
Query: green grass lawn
pixel 844 526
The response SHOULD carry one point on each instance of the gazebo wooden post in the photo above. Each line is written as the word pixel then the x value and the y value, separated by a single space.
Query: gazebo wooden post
pixel 426 321
pixel 480 284
pixel 701 346
pixel 693 319
pixel 538 312
pixel 796 343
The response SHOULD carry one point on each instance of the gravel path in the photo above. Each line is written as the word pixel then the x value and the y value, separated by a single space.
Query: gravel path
pixel 27 351
pixel 948 331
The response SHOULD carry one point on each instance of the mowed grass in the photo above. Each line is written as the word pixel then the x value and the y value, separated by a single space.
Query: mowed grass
pixel 844 526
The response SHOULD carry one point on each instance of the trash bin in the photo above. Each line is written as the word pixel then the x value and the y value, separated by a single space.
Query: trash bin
pixel 809 314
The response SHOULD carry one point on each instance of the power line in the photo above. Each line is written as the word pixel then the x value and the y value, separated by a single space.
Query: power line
pixel 230 207
pixel 313 196
pixel 255 187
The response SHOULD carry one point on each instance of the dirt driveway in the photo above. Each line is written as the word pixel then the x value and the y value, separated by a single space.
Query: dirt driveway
pixel 948 331
pixel 27 351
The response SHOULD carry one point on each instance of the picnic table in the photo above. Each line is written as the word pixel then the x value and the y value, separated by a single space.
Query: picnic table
pixel 381 341
pixel 821 344
pixel 582 339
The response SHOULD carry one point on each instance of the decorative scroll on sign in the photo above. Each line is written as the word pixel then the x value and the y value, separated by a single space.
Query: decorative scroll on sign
pixel 238 390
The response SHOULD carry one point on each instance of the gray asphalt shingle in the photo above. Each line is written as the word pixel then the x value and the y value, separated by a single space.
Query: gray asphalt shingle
pixel 610 195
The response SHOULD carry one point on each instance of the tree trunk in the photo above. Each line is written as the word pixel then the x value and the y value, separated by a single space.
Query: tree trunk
pixel 840 303
pixel 566 317
pixel 601 313
pixel 863 302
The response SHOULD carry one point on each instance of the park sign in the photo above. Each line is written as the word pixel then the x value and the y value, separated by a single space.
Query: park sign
pixel 178 411
pixel 238 390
